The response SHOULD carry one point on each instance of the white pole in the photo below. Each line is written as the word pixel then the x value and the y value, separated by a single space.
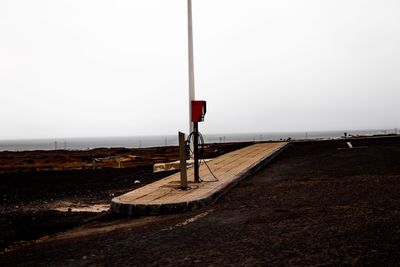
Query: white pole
pixel 191 64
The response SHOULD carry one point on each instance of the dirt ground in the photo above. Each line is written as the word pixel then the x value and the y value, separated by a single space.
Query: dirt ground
pixel 318 203
pixel 35 185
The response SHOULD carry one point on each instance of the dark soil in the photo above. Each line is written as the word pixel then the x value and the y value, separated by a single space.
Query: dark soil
pixel 29 194
pixel 316 204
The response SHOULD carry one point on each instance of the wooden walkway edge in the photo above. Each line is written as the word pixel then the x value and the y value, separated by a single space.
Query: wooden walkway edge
pixel 165 196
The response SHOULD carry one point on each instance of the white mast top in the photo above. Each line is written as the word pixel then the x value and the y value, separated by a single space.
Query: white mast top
pixel 191 64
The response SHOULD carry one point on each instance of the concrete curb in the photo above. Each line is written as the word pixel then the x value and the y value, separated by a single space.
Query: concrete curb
pixel 119 207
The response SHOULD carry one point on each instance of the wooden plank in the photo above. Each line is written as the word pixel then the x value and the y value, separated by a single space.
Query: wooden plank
pixel 182 160
pixel 227 168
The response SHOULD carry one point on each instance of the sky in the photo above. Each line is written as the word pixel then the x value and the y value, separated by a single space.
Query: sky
pixel 120 68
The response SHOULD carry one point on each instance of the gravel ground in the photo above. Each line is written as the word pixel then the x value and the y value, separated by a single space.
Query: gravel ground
pixel 316 204
pixel 31 201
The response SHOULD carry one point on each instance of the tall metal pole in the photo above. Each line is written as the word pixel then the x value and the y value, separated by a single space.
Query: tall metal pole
pixel 191 64
pixel 193 127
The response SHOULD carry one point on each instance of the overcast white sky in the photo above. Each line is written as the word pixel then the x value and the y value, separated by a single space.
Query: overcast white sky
pixel 119 68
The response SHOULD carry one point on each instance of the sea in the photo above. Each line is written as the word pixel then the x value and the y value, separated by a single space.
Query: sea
pixel 172 140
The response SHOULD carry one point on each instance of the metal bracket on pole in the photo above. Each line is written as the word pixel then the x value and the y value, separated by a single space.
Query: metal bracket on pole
pixel 182 160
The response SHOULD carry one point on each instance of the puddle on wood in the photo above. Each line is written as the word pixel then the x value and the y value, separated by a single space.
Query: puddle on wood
pixel 177 185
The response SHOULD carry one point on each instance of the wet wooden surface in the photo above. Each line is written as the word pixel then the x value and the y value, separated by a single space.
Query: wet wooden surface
pixel 227 169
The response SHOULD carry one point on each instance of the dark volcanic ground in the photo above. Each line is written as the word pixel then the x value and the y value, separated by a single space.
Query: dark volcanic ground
pixel 316 204
pixel 29 198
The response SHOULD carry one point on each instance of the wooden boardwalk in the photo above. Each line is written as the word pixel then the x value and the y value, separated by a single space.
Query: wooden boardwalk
pixel 165 196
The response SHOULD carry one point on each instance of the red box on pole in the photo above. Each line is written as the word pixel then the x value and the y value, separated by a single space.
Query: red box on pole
pixel 198 110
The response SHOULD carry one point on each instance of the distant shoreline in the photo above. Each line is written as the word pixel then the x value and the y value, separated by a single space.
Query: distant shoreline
pixel 171 140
